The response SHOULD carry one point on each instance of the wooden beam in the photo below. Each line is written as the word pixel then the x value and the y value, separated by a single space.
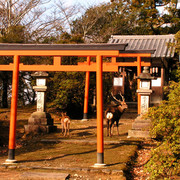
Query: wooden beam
pixel 118 63
pixel 134 54
pixel 82 66
pixel 57 67
pixel 80 53
pixel 8 67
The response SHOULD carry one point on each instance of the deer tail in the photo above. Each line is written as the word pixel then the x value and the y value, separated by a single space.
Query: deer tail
pixel 109 115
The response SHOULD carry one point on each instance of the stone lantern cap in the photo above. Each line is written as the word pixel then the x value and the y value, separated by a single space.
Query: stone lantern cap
pixel 40 74
pixel 41 77
pixel 145 74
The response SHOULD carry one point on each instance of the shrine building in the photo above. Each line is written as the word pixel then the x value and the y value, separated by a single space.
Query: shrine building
pixel 161 64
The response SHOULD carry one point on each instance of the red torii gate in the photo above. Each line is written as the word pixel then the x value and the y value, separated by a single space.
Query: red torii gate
pixel 57 51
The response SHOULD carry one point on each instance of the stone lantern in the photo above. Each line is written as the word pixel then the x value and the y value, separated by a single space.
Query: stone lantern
pixel 40 89
pixel 40 121
pixel 141 126
pixel 145 89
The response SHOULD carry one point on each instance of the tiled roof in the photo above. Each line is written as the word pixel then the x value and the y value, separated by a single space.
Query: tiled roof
pixel 9 46
pixel 147 42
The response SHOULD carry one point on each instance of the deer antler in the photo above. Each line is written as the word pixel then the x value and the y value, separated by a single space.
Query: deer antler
pixel 115 98
pixel 121 96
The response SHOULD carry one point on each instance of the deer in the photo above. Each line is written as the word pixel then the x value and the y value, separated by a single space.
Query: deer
pixel 65 122
pixel 114 112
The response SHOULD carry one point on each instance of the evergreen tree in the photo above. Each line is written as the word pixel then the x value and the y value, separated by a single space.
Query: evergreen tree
pixel 15 34
pixel 20 23
pixel 99 22
pixel 152 18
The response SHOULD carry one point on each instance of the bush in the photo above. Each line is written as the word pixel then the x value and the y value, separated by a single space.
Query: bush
pixel 165 158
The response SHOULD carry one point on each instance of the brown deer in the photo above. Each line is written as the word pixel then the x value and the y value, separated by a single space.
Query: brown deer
pixel 65 122
pixel 113 113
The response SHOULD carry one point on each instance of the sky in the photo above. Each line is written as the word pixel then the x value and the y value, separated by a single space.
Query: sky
pixel 86 3
pixel 90 3
pixel 94 2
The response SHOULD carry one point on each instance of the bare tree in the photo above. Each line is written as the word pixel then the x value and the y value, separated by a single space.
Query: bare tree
pixel 27 21
pixel 18 21
pixel 67 13
pixel 34 15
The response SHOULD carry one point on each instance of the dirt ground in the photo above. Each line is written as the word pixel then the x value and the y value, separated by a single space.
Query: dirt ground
pixel 77 155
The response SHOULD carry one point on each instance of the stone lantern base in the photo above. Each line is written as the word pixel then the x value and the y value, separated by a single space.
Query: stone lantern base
pixel 40 122
pixel 140 128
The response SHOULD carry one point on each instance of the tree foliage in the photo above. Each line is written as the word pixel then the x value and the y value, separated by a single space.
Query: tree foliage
pixel 165 158
pixel 99 22
pixel 150 18
pixel 21 22
pixel 128 17
pixel 15 34
pixel 67 92
pixel 29 22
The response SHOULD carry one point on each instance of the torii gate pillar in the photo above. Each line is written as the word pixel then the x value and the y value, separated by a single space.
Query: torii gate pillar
pixel 100 138
pixel 13 115
pixel 86 96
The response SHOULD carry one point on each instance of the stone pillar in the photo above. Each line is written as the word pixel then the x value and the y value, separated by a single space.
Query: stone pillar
pixel 40 121
pixel 145 99
pixel 41 97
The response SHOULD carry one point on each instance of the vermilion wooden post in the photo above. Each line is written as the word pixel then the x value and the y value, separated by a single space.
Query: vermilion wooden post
pixel 138 83
pixel 99 85
pixel 86 96
pixel 57 60
pixel 13 115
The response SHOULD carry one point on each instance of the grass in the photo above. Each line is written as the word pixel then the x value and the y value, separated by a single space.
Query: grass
pixel 72 155
pixel 31 151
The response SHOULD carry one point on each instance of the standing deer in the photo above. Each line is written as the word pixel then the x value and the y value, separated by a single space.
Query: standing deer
pixel 65 122
pixel 113 113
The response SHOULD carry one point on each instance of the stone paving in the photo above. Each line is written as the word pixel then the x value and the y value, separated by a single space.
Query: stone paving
pixel 70 169
pixel 43 176
pixel 27 173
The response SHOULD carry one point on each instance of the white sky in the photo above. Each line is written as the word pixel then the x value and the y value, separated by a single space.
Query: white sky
pixel 94 2
pixel 87 3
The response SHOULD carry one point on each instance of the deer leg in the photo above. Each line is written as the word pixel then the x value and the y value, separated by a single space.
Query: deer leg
pixel 107 122
pixel 111 126
pixel 68 127
pixel 112 129
pixel 65 132
pixel 62 127
pixel 117 124
pixel 65 128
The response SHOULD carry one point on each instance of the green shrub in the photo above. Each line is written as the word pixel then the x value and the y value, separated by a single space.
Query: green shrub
pixel 165 158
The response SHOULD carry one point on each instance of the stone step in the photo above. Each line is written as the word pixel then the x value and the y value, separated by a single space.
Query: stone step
pixel 140 119
pixel 141 126
pixel 138 133
pixel 44 176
